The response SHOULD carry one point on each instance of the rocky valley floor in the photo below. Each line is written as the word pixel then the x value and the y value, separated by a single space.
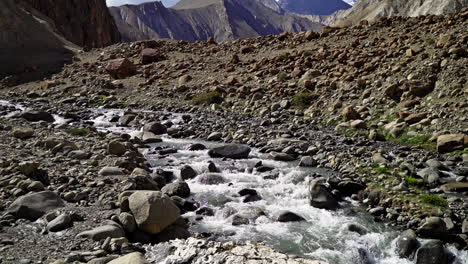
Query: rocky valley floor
pixel 380 110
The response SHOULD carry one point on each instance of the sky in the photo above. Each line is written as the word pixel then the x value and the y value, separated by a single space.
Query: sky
pixel 123 2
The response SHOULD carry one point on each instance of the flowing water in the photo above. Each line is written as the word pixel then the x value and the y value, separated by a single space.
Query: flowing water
pixel 323 236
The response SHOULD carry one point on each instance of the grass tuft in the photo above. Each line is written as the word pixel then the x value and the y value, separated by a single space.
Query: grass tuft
pixel 434 199
pixel 207 99
pixel 303 100
pixel 414 182
pixel 421 141
pixel 78 131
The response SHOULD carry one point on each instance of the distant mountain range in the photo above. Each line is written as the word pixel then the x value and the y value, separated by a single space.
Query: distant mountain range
pixel 311 7
pixel 193 20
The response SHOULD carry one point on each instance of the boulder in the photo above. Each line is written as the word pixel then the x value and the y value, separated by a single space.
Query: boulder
pixel 155 128
pixel 116 148
pixel 211 178
pixel 232 151
pixel 111 171
pixel 150 56
pixel 289 217
pixel 349 114
pixel 451 142
pixel 187 172
pixel 406 244
pixel 103 232
pixel 320 197
pixel 357 229
pixel 308 161
pixel 128 222
pixel 281 156
pixel 132 258
pixel 121 68
pixel 153 211
pixel 35 116
pixel 432 252
pixel 215 136
pixel 23 133
pixel 32 206
pixel 455 187
pixel 433 227
pixel 179 188
pixel 60 223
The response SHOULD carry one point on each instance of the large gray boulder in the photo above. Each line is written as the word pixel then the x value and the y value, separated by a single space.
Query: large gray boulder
pixel 33 206
pixel 232 151
pixel 432 252
pixel 179 188
pixel 155 128
pixel 433 227
pixel 153 211
pixel 320 197
pixel 406 244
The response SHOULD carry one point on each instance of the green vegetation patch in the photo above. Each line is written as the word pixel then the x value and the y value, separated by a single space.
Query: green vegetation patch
pixel 414 182
pixel 421 141
pixel 433 199
pixel 78 131
pixel 303 100
pixel 207 99
pixel 381 169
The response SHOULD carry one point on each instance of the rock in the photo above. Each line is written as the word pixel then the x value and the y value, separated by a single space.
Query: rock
pixel 116 148
pixel 28 167
pixel 429 175
pixel 310 34
pixel 155 128
pixel 148 137
pixel 348 188
pixel 357 229
pixel 455 187
pixel 465 226
pixel 432 252
pixel 415 118
pixel 111 171
pixel 78 155
pixel 406 244
pixel 153 211
pixel 379 158
pixel 289 217
pixel 60 223
pixel 171 233
pixel 349 114
pixel 196 146
pixel 128 222
pixel 103 232
pixel 358 124
pixel 187 172
pixel 230 151
pixel 211 178
pixel 215 136
pixel 36 116
pixel 23 133
pixel 179 188
pixel 151 55
pixel 126 119
pixel 281 156
pixel 320 197
pixel 308 161
pixel 433 227
pixel 184 79
pixel 121 68
pixel 132 258
pixel 451 142
pixel 238 220
pixel 251 198
pixel 245 192
pixel 32 206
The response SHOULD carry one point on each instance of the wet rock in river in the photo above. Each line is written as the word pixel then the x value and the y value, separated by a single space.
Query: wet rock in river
pixel 406 244
pixel 155 128
pixel 432 252
pixel 196 146
pixel 433 227
pixel 232 151
pixel 289 217
pixel 320 197
pixel 35 116
pixel 281 156
pixel 187 172
pixel 308 161
pixel 211 178
pixel 357 229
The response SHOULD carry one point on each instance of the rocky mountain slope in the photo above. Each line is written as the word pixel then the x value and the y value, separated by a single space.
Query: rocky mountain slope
pixel 373 9
pixel 108 156
pixel 37 34
pixel 308 7
pixel 202 19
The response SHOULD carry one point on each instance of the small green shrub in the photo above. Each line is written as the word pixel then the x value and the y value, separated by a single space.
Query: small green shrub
pixel 78 131
pixel 421 141
pixel 303 100
pixel 434 199
pixel 207 99
pixel 381 169
pixel 414 182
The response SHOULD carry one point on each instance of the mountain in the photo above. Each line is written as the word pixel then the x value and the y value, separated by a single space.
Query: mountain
pixel 83 22
pixel 372 9
pixel 313 7
pixel 167 3
pixel 38 37
pixel 193 20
